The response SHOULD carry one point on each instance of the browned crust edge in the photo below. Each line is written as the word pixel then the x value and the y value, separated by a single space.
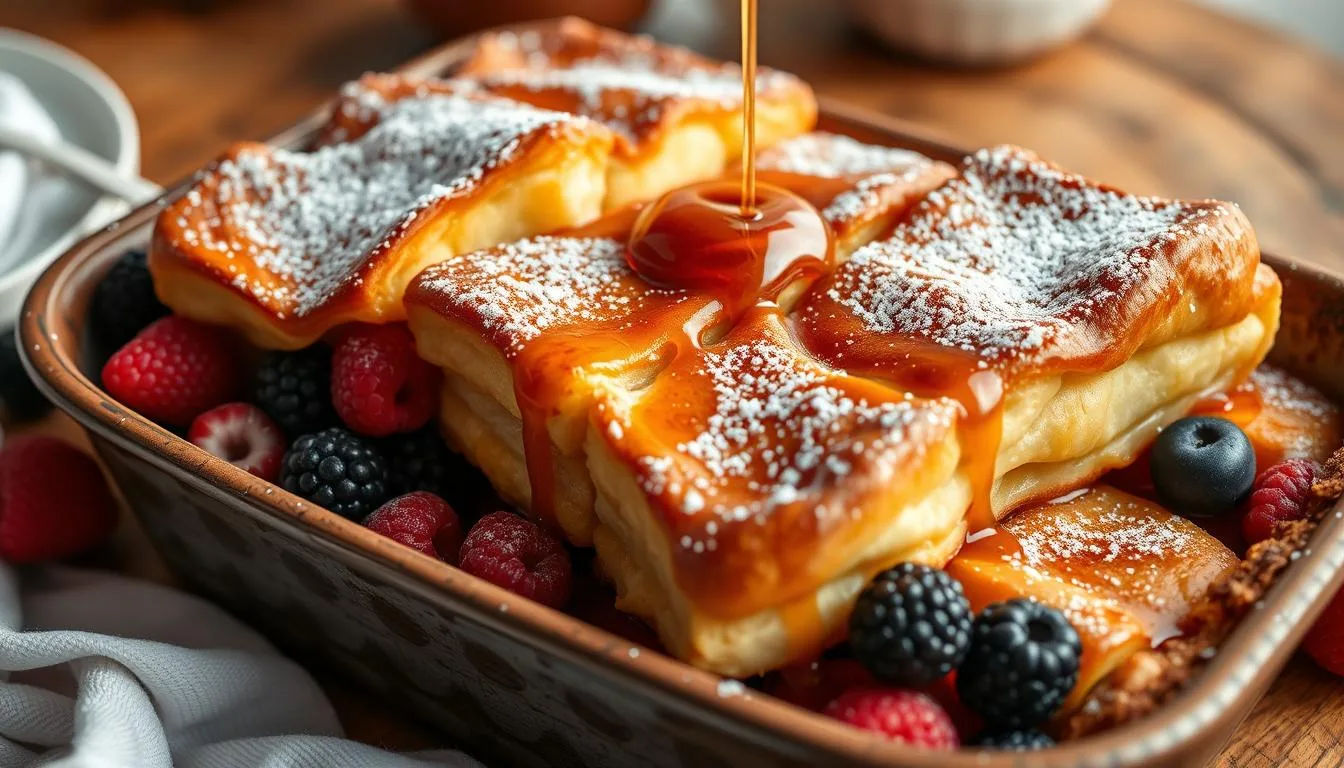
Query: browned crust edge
pixel 1149 679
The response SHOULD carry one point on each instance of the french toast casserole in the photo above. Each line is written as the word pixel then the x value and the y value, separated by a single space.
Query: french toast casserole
pixel 977 390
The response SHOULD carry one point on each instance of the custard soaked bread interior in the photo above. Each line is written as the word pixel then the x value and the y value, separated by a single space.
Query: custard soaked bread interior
pixel 1019 332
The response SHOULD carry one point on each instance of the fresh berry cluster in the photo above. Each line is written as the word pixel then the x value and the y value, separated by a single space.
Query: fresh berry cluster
pixel 501 547
pixel 319 420
pixel 345 426
pixel 913 629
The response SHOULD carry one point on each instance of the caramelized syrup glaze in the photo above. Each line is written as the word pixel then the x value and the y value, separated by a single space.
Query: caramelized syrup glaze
pixel 817 191
pixel 697 238
pixel 928 371
pixel 750 524
pixel 1240 405
pixel 754 459
pixel 1122 569
pixel 746 528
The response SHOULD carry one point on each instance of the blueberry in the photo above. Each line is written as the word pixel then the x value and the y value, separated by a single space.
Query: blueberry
pixel 1203 466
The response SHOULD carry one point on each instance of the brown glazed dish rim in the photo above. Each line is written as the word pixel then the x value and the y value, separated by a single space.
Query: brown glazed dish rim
pixel 1246 662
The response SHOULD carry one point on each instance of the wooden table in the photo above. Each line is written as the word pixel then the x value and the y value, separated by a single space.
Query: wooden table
pixel 1162 97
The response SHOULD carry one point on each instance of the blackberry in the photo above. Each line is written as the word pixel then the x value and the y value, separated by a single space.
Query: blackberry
pixel 911 626
pixel 1013 741
pixel 124 302
pixel 1022 663
pixel 20 399
pixel 422 461
pixel 337 470
pixel 294 388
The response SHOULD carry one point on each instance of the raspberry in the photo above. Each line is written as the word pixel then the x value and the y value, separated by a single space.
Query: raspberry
pixel 1325 641
pixel 1023 662
pixel 54 502
pixel 1013 741
pixel 1281 493
pixel 294 388
pixel 911 626
pixel 899 715
pixel 336 470
pixel 173 371
pixel 516 554
pixel 379 384
pixel 244 436
pixel 422 521
pixel 124 302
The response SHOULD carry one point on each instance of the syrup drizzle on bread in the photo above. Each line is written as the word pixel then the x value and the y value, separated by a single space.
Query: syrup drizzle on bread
pixel 768 435
pixel 1016 255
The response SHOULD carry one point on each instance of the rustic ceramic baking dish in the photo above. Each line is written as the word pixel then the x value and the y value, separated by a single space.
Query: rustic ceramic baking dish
pixel 521 684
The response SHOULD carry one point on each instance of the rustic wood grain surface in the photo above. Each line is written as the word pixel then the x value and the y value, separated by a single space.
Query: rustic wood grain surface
pixel 1162 97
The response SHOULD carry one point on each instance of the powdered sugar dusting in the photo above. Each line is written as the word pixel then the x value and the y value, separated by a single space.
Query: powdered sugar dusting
pixel 864 197
pixel 1280 390
pixel 781 431
pixel 519 290
pixel 1115 564
pixel 627 98
pixel 832 156
pixel 628 83
pixel 1010 255
pixel 1114 534
pixel 311 220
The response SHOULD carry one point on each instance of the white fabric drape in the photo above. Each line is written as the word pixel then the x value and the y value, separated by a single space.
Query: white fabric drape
pixel 103 671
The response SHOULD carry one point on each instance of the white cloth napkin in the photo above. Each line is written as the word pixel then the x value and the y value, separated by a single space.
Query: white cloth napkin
pixel 24 190
pixel 103 671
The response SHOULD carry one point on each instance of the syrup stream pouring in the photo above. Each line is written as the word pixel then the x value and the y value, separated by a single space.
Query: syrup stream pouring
pixel 748 108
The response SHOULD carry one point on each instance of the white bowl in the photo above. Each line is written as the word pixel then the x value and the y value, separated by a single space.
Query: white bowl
pixel 977 31
pixel 91 112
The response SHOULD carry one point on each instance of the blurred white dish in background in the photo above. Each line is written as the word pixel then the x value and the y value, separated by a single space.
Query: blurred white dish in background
pixel 87 109
pixel 976 31
pixel 24 189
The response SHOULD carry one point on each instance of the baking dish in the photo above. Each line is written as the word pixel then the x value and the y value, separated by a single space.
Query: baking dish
pixel 518 683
